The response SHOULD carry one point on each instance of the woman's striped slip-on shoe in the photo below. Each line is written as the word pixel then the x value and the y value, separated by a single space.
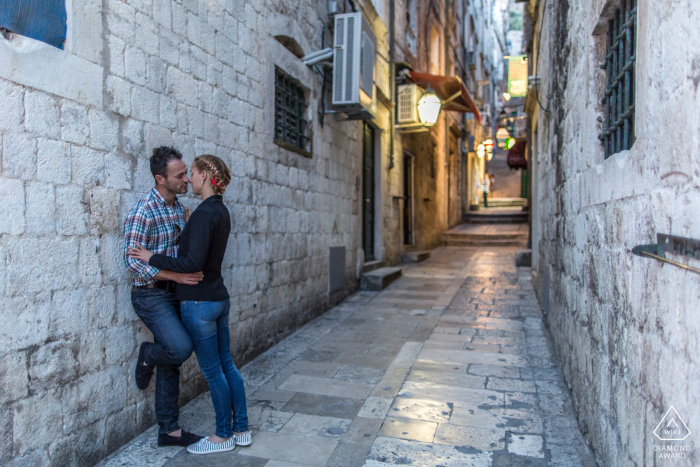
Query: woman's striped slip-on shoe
pixel 204 446
pixel 244 440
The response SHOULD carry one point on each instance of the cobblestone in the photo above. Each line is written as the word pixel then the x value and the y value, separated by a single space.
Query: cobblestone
pixel 428 372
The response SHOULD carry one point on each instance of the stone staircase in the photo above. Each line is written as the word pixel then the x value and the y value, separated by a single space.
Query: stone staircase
pixel 497 216
pixel 486 235
pixel 506 181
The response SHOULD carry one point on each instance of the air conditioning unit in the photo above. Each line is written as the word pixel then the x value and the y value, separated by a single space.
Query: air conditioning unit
pixel 409 95
pixel 354 91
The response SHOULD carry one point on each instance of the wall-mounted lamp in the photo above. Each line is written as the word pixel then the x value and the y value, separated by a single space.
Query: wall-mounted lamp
pixel 480 151
pixel 429 107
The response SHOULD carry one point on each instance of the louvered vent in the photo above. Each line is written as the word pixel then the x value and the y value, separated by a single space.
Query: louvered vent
pixel 409 95
pixel 350 47
pixel 339 59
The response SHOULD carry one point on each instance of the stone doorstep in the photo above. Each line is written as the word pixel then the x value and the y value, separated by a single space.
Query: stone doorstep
pixel 379 279
pixel 416 256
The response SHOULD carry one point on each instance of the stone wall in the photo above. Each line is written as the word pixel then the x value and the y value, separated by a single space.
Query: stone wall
pixel 76 129
pixel 626 328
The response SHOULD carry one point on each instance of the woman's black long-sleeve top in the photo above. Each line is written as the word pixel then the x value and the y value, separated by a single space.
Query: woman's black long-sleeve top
pixel 202 247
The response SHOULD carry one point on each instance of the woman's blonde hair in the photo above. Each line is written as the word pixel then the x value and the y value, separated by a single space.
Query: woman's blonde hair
pixel 217 170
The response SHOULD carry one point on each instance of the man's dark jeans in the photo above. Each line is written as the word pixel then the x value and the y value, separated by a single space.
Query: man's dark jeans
pixel 160 311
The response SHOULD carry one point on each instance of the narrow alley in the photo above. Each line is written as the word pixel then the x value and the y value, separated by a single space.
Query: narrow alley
pixel 449 366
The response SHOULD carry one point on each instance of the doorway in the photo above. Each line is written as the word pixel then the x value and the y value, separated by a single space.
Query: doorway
pixel 368 192
pixel 408 198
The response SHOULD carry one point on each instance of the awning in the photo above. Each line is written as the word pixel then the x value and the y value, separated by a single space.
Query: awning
pixel 450 90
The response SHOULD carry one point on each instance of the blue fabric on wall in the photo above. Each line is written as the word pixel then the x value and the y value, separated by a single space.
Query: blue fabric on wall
pixel 43 20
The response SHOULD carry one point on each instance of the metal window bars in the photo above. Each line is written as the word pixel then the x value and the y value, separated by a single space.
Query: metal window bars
pixel 290 105
pixel 619 99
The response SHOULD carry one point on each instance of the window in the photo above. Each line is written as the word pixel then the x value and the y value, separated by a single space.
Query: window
pixel 290 106
pixel 43 20
pixel 620 83
pixel 434 51
pixel 411 25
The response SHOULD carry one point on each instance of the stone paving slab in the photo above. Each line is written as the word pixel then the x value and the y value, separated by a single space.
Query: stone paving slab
pixel 449 366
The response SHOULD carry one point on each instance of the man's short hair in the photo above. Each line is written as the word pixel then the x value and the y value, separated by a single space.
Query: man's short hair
pixel 160 158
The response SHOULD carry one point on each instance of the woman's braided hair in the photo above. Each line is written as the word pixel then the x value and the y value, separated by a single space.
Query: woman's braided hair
pixel 217 170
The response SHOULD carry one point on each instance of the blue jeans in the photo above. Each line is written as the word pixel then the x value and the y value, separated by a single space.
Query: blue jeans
pixel 207 323
pixel 160 312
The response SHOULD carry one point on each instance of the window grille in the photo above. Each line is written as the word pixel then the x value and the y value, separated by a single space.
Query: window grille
pixel 411 26
pixel 619 99
pixel 290 106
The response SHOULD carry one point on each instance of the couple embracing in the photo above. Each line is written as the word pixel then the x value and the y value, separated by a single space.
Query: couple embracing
pixel 179 294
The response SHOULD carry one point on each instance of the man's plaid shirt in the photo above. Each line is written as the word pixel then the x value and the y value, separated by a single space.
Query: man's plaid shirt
pixel 151 223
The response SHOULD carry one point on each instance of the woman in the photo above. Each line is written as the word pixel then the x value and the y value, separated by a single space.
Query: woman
pixel 205 306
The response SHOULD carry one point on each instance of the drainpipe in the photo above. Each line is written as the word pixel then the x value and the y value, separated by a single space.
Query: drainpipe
pixel 392 78
pixel 446 31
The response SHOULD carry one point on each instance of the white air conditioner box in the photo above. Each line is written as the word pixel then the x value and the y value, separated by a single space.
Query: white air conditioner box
pixel 409 95
pixel 354 91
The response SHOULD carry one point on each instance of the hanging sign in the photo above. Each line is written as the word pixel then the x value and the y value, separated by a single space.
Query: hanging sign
pixel 517 76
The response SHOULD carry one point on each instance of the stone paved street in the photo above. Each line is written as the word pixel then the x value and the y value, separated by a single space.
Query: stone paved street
pixel 449 366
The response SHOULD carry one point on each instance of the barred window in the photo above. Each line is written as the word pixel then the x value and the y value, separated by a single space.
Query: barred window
pixel 290 106
pixel 619 99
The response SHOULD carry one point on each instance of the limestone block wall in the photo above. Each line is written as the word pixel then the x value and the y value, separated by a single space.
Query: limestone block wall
pixel 626 328
pixel 76 129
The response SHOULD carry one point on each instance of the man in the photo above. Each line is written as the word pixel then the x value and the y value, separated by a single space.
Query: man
pixel 156 222
pixel 486 187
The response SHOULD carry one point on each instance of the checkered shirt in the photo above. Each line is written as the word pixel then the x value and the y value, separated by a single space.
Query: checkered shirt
pixel 151 223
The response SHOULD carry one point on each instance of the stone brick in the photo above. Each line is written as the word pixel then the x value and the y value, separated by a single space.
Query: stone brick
pixel 118 171
pixel 182 87
pixel 12 208
pixel 14 377
pixel 145 105
pixel 168 113
pixel 41 208
pixel 169 46
pixel 52 365
pixel 69 314
pixel 79 407
pixel 162 14
pixel 75 127
pixel 103 204
pixel 156 75
pixel 53 161
pixel 23 320
pixel 34 421
pixel 132 138
pixel 6 441
pixel 118 95
pixel 112 257
pixel 71 212
pixel 19 156
pixel 119 344
pixel 135 65
pixel 12 98
pixel 115 50
pixel 41 115
pixel 104 130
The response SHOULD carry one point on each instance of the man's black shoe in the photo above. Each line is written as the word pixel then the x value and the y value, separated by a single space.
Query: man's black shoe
pixel 185 439
pixel 143 372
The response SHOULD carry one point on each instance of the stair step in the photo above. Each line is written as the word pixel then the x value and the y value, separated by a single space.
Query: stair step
pixel 379 279
pixel 416 256
pixel 486 242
